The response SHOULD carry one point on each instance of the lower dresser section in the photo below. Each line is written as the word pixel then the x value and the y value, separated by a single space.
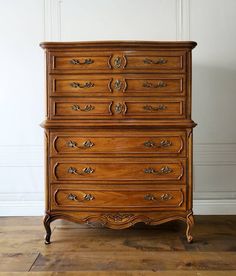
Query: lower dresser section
pixel 73 197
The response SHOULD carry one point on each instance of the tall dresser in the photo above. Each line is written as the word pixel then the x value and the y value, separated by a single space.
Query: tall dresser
pixel 118 133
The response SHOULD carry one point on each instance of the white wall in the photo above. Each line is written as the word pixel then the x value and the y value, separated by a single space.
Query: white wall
pixel 23 24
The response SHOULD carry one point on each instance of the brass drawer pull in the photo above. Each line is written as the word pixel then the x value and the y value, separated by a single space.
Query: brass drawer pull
pixel 86 170
pixel 80 85
pixel 117 62
pixel 78 62
pixel 151 197
pixel 117 85
pixel 87 197
pixel 86 144
pixel 163 144
pixel 166 197
pixel 151 108
pixel 152 85
pixel 151 61
pixel 163 170
pixel 89 107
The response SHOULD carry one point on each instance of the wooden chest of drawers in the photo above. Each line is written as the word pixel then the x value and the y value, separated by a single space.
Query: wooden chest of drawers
pixel 118 133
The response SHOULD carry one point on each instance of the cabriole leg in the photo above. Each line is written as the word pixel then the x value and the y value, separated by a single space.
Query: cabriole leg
pixel 190 223
pixel 46 222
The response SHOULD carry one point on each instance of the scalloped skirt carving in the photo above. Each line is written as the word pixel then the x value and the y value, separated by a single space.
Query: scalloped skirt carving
pixel 119 220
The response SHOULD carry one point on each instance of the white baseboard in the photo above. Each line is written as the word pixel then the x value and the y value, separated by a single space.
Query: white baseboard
pixel 201 207
pixel 21 208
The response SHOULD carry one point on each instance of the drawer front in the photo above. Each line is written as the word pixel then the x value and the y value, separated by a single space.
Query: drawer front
pixel 81 61
pixel 122 61
pixel 155 60
pixel 97 109
pixel 63 198
pixel 117 169
pixel 75 109
pixel 118 85
pixel 136 142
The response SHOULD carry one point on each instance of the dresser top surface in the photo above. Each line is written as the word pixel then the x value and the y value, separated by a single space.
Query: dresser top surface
pixel 119 44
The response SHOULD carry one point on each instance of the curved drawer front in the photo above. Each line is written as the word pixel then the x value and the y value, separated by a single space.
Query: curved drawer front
pixel 118 85
pixel 88 198
pixel 73 108
pixel 105 143
pixel 116 169
pixel 122 61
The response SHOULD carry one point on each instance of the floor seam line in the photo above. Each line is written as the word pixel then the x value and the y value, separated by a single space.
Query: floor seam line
pixel 34 262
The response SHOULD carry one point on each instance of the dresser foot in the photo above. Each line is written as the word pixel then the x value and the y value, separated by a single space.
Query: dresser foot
pixel 190 223
pixel 46 222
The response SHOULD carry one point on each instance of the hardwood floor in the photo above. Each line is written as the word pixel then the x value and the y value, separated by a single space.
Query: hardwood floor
pixel 142 250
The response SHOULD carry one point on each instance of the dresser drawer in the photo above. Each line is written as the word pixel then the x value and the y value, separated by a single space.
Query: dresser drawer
pixel 73 108
pixel 118 85
pixel 118 142
pixel 120 61
pixel 118 169
pixel 73 198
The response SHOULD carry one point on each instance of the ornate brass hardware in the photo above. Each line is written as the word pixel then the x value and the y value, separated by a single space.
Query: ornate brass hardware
pixel 119 108
pixel 78 62
pixel 166 197
pixel 85 85
pixel 75 198
pixel 162 144
pixel 151 61
pixel 117 62
pixel 160 84
pixel 163 170
pixel 86 170
pixel 89 107
pixel 151 108
pixel 118 85
pixel 149 197
pixel 86 144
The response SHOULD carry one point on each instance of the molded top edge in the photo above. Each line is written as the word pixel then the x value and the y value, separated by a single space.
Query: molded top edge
pixel 118 43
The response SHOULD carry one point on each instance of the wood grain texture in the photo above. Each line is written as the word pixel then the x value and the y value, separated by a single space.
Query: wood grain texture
pixel 119 133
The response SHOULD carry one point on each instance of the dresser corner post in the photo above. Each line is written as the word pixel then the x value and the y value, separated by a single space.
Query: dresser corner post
pixel 47 221
pixel 190 224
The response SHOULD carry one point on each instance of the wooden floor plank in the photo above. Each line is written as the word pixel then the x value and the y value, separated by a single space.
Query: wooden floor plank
pixel 154 261
pixel 140 250
pixel 17 261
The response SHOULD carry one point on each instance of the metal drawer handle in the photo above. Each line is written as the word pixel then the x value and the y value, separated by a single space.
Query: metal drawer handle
pixel 117 62
pixel 87 197
pixel 80 85
pixel 152 85
pixel 151 197
pixel 151 108
pixel 117 85
pixel 86 170
pixel 78 62
pixel 151 61
pixel 76 107
pixel 163 170
pixel 166 197
pixel 86 144
pixel 163 144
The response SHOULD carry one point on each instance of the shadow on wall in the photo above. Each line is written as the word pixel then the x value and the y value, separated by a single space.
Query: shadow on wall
pixel 214 100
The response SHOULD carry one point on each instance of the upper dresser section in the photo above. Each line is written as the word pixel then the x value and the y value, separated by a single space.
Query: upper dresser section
pixel 89 57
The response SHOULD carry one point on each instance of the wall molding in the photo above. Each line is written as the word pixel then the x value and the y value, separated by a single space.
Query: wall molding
pixel 52 20
pixel 182 19
pixel 36 208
